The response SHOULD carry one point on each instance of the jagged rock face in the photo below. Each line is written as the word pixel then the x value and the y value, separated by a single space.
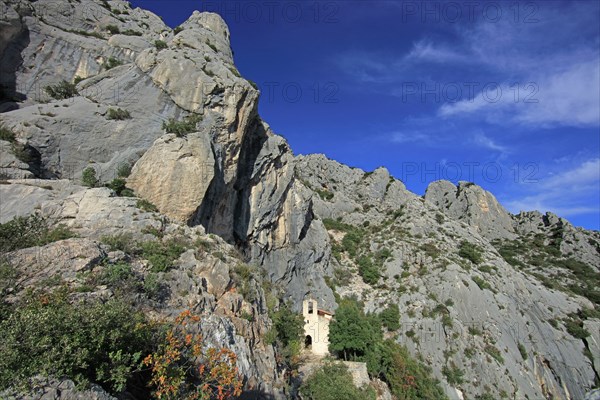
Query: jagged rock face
pixel 581 244
pixel 495 310
pixel 234 177
pixel 475 206
pixel 200 280
pixel 241 166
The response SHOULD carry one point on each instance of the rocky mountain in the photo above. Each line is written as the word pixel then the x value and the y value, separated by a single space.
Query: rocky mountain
pixel 498 305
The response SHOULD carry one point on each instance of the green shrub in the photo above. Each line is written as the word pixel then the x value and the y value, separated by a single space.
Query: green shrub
pixel 473 330
pixel 481 283
pixel 62 90
pixel 22 152
pixel 6 134
pixel 160 44
pixel 124 170
pixel 81 32
pixel 8 278
pixel 522 350
pixel 367 270
pixel 152 286
pixel 118 185
pixel 431 250
pixel 333 381
pixel 576 329
pixel 86 342
pixel 494 352
pixel 113 29
pixel 118 114
pixel 447 320
pixel 182 128
pixel 112 63
pixel 470 252
pixel 29 231
pixel 177 30
pixel 390 317
pixel 324 194
pixel 121 241
pixel 408 379
pixel 453 374
pixel 131 32
pixel 332 224
pixel 439 218
pixel 383 255
pixel 88 177
pixel 288 325
pixel 115 274
pixel 351 242
pixel 145 205
pixel 161 255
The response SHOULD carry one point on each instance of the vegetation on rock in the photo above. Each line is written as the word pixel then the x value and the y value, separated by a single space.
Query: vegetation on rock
pixel 333 381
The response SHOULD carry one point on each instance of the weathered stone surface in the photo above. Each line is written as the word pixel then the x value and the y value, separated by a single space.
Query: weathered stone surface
pixel 474 205
pixel 24 197
pixel 175 173
pixel 237 179
pixel 10 166
pixel 62 259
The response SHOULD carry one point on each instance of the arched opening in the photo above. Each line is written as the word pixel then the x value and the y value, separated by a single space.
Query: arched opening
pixel 308 342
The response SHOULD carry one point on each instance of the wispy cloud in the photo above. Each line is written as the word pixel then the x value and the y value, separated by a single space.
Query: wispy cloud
pixel 410 137
pixel 484 141
pixel 426 51
pixel 566 193
pixel 564 98
pixel 557 79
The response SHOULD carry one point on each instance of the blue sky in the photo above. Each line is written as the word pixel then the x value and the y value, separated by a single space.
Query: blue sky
pixel 503 94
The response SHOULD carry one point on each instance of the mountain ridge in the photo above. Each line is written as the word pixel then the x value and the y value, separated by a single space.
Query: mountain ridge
pixel 229 175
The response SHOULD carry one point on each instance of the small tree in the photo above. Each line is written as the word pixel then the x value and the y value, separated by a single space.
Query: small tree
pixel 182 368
pixel 351 332
pixel 88 177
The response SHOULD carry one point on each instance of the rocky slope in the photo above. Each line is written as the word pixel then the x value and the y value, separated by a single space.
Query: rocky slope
pixel 492 295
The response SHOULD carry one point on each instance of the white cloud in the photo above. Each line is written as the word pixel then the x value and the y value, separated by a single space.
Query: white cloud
pixel 565 193
pixel 554 61
pixel 568 98
pixel 484 141
pixel 412 137
pixel 425 51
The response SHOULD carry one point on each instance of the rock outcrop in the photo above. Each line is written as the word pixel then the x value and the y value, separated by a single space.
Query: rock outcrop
pixel 470 203
pixel 488 293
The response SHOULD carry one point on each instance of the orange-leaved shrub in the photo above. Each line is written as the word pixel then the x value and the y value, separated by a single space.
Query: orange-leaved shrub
pixel 184 368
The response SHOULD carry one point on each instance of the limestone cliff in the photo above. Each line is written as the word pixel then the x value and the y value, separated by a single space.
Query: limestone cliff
pixel 479 289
